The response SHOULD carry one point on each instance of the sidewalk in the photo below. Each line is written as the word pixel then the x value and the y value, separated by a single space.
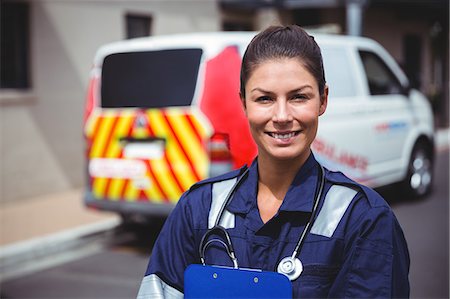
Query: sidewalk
pixel 37 221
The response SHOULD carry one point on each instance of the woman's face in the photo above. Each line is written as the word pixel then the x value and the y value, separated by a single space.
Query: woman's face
pixel 283 105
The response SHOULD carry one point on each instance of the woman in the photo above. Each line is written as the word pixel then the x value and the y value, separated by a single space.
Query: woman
pixel 354 246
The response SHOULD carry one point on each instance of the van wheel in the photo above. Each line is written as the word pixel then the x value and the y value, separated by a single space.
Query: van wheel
pixel 419 178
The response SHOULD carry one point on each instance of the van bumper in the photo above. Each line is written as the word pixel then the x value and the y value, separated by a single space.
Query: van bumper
pixel 124 207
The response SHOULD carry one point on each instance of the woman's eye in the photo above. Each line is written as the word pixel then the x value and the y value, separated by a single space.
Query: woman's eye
pixel 264 99
pixel 300 97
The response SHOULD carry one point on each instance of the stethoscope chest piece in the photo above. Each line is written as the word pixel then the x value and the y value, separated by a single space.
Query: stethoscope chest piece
pixel 291 267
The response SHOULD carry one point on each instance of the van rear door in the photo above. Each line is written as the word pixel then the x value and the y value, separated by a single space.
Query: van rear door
pixel 145 142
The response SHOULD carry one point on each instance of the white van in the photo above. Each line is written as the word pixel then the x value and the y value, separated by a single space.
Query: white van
pixel 164 112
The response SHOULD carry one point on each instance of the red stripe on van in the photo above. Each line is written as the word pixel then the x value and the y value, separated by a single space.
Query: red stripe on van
pixel 167 161
pixel 90 138
pixel 124 188
pixel 194 129
pixel 126 181
pixel 106 148
pixel 110 139
pixel 222 105
pixel 174 175
pixel 154 178
pixel 180 146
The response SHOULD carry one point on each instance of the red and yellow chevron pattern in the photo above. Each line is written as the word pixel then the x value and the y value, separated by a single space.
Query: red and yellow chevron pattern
pixel 184 161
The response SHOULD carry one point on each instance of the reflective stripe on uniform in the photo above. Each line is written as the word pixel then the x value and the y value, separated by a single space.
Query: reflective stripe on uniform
pixel 220 191
pixel 336 203
pixel 153 287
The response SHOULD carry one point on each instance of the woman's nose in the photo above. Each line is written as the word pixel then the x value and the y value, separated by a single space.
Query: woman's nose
pixel 282 112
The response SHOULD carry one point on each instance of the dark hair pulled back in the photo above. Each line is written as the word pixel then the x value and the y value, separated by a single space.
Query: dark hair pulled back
pixel 277 42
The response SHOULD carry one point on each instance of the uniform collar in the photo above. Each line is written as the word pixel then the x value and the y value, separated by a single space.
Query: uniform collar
pixel 299 198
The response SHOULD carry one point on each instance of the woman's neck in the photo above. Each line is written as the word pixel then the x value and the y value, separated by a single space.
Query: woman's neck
pixel 277 175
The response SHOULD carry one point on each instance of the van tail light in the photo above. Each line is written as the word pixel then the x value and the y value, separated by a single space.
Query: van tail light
pixel 219 154
pixel 91 98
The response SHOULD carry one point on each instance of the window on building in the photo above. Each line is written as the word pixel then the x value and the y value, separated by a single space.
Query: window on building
pixel 138 25
pixel 230 25
pixel 14 45
pixel 412 53
pixel 380 78
pixel 306 16
pixel 237 19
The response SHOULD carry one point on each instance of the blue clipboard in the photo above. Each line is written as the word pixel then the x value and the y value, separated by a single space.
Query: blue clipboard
pixel 223 282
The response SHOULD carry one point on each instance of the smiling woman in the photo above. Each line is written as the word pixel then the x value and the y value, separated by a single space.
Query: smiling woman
pixel 329 235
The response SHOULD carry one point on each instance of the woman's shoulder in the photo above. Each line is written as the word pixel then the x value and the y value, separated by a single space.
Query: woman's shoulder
pixel 206 183
pixel 201 191
pixel 366 211
pixel 373 198
pixel 195 203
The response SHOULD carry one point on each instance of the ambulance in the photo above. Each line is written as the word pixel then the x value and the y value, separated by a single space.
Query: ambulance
pixel 164 112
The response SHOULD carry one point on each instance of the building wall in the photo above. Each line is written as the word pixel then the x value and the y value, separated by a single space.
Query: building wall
pixel 384 27
pixel 41 131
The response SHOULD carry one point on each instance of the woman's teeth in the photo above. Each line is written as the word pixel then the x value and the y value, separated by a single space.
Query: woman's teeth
pixel 282 136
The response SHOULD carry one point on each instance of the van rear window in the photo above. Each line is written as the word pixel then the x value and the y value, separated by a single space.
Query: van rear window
pixel 152 79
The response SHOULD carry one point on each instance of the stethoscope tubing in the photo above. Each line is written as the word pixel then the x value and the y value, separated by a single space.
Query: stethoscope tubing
pixel 229 245
pixel 230 195
pixel 308 227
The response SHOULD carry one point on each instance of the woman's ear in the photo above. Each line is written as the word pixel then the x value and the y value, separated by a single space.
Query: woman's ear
pixel 324 101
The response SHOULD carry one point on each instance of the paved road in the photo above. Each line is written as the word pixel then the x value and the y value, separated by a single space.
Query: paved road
pixel 426 226
pixel 116 271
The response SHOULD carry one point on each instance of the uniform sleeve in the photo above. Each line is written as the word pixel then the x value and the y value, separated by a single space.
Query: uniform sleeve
pixel 173 251
pixel 376 262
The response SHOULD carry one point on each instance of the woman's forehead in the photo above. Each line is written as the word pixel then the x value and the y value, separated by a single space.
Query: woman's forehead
pixel 274 69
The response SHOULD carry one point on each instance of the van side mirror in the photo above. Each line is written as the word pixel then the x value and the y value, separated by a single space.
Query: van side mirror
pixel 406 89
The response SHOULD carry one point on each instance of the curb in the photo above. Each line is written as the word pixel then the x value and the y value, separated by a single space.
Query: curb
pixel 24 257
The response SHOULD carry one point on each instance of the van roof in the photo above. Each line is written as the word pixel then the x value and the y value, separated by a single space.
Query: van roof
pixel 212 42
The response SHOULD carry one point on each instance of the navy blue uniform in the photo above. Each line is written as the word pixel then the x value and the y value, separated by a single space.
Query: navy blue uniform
pixel 356 247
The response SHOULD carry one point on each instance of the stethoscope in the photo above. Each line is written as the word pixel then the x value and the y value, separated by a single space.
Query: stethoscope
pixel 291 266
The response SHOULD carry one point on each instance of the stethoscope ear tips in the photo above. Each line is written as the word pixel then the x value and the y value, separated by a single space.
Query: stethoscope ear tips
pixel 291 267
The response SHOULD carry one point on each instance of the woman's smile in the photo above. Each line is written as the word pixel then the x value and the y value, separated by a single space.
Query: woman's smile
pixel 283 135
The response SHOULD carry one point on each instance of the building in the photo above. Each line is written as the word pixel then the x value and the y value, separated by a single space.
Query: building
pixel 415 32
pixel 47 49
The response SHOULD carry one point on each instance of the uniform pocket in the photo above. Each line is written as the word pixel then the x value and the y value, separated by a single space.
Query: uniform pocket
pixel 315 281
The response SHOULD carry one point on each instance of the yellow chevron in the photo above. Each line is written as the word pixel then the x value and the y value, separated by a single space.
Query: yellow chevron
pixel 140 133
pixel 153 194
pixel 115 188
pixel 166 179
pixel 131 193
pixel 174 154
pixel 197 119
pixel 123 126
pixel 91 122
pixel 102 135
pixel 98 187
pixel 189 142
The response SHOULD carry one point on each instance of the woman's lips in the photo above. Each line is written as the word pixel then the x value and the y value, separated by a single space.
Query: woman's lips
pixel 283 135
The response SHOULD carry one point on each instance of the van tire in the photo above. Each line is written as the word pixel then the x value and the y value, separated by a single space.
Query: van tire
pixel 419 179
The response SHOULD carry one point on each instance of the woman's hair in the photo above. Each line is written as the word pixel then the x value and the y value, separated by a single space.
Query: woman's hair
pixel 277 42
